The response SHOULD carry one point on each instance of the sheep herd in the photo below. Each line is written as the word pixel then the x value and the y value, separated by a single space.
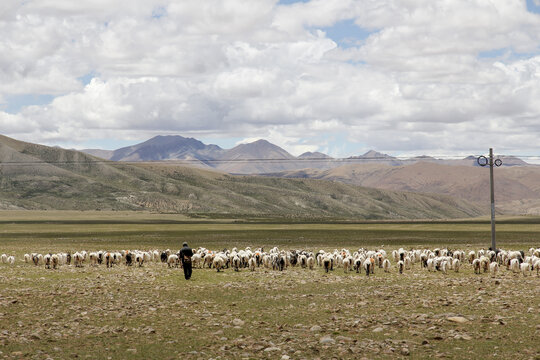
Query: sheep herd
pixel 362 260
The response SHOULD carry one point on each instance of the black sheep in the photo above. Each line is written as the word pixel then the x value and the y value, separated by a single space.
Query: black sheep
pixel 129 259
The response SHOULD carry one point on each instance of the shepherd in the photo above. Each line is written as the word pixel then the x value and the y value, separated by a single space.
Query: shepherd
pixel 185 254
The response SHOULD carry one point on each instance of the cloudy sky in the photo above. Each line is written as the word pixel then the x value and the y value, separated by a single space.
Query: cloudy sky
pixel 437 77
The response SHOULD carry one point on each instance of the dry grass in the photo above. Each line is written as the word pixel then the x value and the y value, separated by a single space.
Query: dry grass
pixel 152 312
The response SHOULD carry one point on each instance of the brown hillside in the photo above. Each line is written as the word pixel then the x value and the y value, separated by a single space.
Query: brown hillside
pixel 464 182
pixel 41 177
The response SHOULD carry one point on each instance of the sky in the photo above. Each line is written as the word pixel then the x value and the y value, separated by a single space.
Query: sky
pixel 404 77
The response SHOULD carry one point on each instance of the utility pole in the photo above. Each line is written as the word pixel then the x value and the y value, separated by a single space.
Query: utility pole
pixel 483 161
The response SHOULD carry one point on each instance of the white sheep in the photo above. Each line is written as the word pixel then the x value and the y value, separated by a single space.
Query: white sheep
pixel 357 263
pixel 78 259
pixel 328 262
pixel 386 265
pixel 267 261
pixel 196 260
pixel 484 263
pixel 302 260
pixel 472 256
pixel 346 264
pixel 536 266
pixel 476 266
pixel 208 259
pixel 27 258
pixel 320 257
pixel 139 259
pixel 494 268
pixel 109 260
pixel 4 258
pixel 62 258
pixel 514 265
pixel 369 264
pixel 236 263
pixel 252 263
pixel 431 264
pixel 526 269
pixel 395 255
pixel 460 255
pixel 244 257
pixel 93 256
pixel 311 262
pixel 407 262
pixel 55 260
pixel 11 260
pixel 444 266
pixel 218 263
pixel 456 263
pixel 117 257
pixel 173 260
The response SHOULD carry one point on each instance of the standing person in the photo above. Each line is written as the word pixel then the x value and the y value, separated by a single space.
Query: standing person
pixel 185 255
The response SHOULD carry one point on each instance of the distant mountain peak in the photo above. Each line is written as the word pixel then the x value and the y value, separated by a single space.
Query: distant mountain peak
pixel 314 155
pixel 167 147
pixel 260 149
pixel 376 154
pixel 372 154
pixel 261 143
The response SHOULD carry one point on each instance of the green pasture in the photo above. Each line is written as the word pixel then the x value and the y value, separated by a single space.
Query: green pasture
pixel 71 231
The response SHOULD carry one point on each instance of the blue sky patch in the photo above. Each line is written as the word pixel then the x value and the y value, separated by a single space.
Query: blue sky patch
pixel 15 103
pixel 85 79
pixel 505 54
pixel 347 34
pixel 495 53
pixel 289 2
pixel 159 12
pixel 533 6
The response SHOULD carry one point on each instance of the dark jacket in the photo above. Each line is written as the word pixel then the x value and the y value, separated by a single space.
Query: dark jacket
pixel 186 252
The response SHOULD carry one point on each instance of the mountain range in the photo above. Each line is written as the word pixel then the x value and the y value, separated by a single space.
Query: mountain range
pixel 41 177
pixel 259 157
pixel 517 182
pixel 153 176
pixel 458 181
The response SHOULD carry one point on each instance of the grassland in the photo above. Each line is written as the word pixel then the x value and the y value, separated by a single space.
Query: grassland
pixel 152 312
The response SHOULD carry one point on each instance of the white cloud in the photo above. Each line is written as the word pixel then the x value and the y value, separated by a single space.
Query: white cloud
pixel 245 69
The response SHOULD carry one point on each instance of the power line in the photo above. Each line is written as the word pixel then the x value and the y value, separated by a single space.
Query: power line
pixel 403 159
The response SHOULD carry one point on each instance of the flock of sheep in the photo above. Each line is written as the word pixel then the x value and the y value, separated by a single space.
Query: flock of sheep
pixel 362 260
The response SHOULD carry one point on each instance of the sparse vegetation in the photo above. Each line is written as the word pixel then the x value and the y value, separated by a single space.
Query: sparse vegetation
pixel 40 177
pixel 151 312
